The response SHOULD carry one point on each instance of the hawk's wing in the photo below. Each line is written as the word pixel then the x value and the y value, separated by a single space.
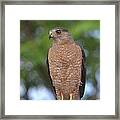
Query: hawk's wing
pixel 83 75
pixel 53 88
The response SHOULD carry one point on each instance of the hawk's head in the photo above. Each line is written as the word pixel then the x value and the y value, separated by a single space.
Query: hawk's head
pixel 60 35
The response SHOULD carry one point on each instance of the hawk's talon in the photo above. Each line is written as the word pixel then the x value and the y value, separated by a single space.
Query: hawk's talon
pixel 61 96
pixel 71 96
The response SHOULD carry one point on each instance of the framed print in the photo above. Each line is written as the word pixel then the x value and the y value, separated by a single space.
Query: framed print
pixel 60 59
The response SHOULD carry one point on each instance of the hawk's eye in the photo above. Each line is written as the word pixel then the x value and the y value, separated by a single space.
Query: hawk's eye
pixel 58 31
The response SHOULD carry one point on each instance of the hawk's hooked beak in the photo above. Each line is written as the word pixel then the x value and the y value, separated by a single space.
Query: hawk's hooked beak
pixel 50 35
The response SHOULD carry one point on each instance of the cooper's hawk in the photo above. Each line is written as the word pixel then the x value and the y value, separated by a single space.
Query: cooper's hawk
pixel 66 66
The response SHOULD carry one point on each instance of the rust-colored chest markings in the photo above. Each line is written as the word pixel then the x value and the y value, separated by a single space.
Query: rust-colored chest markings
pixel 65 67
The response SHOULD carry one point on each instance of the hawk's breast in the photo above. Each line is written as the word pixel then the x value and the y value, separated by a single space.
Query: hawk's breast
pixel 65 66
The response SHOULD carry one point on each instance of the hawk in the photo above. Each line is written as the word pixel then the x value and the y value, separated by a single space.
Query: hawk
pixel 66 65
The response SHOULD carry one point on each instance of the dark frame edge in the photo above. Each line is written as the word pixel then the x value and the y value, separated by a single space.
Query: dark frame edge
pixel 0 69
pixel 60 117
pixel 2 59
pixel 117 18
pixel 61 2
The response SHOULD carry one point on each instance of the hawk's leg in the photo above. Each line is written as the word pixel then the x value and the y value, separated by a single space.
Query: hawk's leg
pixel 59 95
pixel 76 94
pixel 71 96
pixel 62 96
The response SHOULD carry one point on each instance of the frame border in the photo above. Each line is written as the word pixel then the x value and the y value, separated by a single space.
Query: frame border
pixel 2 59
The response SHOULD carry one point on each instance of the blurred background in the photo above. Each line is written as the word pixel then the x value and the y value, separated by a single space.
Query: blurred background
pixel 34 44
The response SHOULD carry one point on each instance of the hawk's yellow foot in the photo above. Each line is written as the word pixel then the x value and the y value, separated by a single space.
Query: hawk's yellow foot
pixel 71 96
pixel 62 98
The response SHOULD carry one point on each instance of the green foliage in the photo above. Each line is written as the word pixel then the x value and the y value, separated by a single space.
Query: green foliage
pixel 35 44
